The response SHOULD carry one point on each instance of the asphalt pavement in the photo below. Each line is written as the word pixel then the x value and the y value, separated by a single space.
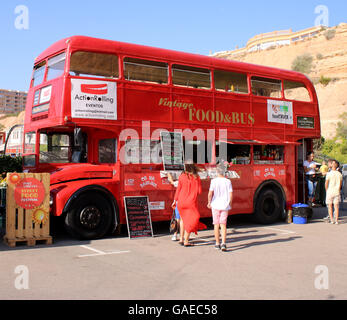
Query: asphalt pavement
pixel 280 261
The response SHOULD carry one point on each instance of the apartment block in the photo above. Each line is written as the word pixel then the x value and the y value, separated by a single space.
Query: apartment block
pixel 12 101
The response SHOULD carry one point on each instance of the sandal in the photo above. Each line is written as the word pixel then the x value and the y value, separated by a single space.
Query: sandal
pixel 181 243
pixel 189 245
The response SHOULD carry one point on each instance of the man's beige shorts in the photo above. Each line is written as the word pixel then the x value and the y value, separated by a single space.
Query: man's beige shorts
pixel 333 199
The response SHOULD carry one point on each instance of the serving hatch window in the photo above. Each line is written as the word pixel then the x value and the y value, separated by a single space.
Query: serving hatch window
pixel 230 81
pixel 103 65
pixel 198 151
pixel 296 91
pixel 233 153
pixel 142 151
pixel 56 66
pixel 268 153
pixel 266 87
pixel 187 76
pixel 145 70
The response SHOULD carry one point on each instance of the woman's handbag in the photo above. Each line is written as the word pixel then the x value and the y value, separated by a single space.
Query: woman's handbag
pixel 173 223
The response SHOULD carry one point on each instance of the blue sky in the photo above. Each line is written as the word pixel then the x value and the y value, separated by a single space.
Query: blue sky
pixel 184 25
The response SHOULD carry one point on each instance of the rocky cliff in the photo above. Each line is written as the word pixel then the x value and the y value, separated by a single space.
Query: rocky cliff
pixel 328 71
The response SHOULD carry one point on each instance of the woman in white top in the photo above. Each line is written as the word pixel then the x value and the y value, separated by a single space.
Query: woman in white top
pixel 220 199
pixel 310 170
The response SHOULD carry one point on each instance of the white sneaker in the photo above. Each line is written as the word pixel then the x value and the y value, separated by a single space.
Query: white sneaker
pixel 174 238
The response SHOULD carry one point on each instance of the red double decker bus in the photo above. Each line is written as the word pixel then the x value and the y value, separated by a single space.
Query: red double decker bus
pixel 88 96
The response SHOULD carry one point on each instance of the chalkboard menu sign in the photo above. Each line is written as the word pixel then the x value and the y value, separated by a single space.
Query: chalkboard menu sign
pixel 138 217
pixel 172 150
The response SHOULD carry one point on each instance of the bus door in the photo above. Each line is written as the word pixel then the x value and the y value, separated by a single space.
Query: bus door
pixel 301 151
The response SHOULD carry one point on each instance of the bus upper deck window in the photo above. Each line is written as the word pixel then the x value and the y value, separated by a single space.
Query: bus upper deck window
pixel 266 87
pixel 296 91
pixel 56 66
pixel 145 70
pixel 191 77
pixel 39 73
pixel 230 81
pixel 94 64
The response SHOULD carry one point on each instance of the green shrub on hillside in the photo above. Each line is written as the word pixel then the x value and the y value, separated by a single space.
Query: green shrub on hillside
pixel 335 148
pixel 319 56
pixel 330 34
pixel 303 63
pixel 324 81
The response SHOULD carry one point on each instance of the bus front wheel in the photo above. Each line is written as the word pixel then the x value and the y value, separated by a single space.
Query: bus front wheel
pixel 268 207
pixel 90 217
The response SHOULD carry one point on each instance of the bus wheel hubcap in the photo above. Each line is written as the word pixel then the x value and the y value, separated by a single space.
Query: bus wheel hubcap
pixel 90 217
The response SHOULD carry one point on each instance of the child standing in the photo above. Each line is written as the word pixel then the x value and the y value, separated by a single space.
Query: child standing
pixel 219 200
pixel 333 183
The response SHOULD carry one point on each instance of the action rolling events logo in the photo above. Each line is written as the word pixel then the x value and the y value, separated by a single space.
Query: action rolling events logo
pixel 91 99
pixel 99 89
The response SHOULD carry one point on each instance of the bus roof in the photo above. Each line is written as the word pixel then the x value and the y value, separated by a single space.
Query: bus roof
pixel 110 46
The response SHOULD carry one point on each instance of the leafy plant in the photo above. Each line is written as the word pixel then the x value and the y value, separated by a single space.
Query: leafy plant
pixel 10 164
pixel 330 34
pixel 335 148
pixel 324 80
pixel 303 63
pixel 319 56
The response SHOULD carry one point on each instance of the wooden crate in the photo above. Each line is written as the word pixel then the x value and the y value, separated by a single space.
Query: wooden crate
pixel 20 226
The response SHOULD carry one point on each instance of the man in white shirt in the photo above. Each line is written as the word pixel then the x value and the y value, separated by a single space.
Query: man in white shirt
pixel 220 199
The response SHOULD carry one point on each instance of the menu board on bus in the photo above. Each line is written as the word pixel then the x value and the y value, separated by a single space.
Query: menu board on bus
pixel 172 150
pixel 138 217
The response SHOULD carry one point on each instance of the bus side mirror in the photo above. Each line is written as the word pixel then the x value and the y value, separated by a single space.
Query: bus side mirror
pixel 78 137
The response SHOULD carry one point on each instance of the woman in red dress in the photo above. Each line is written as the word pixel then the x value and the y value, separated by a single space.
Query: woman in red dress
pixel 189 187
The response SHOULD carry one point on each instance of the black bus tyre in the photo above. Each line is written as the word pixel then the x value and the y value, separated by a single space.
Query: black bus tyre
pixel 268 207
pixel 90 217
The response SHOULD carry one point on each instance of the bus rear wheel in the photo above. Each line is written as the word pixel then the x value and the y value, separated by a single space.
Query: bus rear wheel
pixel 90 217
pixel 268 207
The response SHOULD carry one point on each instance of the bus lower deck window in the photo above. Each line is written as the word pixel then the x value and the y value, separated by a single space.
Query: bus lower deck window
pixel 107 150
pixel 142 151
pixel 200 152
pixel 54 148
pixel 266 153
pixel 233 153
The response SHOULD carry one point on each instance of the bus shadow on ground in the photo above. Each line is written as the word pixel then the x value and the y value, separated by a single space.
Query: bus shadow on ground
pixel 236 224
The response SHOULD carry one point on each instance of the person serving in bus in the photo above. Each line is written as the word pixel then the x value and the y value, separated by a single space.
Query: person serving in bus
pixel 310 168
